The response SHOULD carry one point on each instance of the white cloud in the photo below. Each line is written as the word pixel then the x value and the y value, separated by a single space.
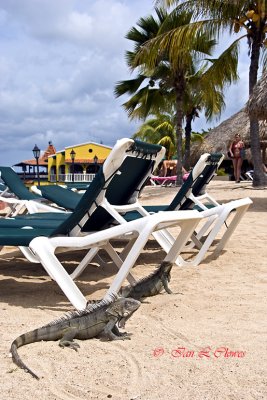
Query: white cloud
pixel 59 63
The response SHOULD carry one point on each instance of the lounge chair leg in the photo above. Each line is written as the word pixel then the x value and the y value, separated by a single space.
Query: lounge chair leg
pixel 170 245
pixel 179 243
pixel 173 251
pixel 126 249
pixel 231 227
pixel 45 252
pixel 239 212
pixel 29 255
pixel 85 261
pixel 126 266
pixel 206 226
pixel 118 261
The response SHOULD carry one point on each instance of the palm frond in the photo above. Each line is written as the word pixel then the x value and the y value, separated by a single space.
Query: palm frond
pixel 197 137
pixel 217 74
pixel 178 43
pixel 218 9
pixel 145 102
pixel 128 86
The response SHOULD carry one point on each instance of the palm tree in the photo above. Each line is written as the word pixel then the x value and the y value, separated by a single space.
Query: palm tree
pixel 150 94
pixel 159 130
pixel 168 82
pixel 213 18
pixel 197 99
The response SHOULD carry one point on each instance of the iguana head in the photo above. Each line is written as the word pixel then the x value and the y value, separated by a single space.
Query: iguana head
pixel 123 309
pixel 165 269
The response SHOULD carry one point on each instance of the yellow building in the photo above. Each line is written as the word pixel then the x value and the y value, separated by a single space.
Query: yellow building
pixel 77 163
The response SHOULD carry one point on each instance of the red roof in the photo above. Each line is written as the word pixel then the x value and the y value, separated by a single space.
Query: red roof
pixel 48 152
pixel 43 160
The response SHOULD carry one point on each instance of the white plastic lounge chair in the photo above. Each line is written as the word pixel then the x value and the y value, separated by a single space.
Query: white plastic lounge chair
pixel 22 198
pixel 249 175
pixel 44 249
pixel 39 238
pixel 163 180
pixel 193 195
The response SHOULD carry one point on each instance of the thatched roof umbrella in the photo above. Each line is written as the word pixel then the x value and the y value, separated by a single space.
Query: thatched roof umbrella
pixel 219 138
pixel 257 104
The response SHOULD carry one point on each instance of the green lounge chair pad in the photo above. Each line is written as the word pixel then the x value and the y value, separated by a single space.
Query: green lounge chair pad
pixel 44 215
pixel 21 237
pixel 15 184
pixel 63 197
pixel 34 223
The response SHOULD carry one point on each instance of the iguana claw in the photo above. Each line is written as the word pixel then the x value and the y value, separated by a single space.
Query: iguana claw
pixel 71 345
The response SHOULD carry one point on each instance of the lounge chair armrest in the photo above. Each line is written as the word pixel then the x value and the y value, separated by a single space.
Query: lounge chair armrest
pixel 208 197
pixel 129 207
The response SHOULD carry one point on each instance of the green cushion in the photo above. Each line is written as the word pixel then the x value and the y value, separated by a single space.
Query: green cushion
pixel 34 223
pixel 21 237
pixel 120 190
pixel 60 216
pixel 78 185
pixel 83 206
pixel 15 184
pixel 62 197
pixel 53 223
pixel 197 185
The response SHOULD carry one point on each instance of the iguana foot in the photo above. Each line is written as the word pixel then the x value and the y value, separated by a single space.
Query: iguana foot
pixel 111 336
pixel 71 345
pixel 115 331
pixel 122 337
pixel 169 291
pixel 123 334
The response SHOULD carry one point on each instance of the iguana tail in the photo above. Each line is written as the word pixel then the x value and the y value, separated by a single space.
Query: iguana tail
pixel 21 341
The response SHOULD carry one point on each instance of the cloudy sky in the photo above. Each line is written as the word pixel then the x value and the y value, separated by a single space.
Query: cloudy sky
pixel 59 62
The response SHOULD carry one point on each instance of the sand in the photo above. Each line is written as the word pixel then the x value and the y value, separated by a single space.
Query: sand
pixel 208 340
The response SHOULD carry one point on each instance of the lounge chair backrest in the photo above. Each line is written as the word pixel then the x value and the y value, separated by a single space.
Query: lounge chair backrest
pixel 195 184
pixel 87 202
pixel 138 163
pixel 62 197
pixel 124 172
pixel 15 184
pixel 212 164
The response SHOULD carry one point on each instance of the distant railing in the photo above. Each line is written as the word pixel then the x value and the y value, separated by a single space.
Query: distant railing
pixel 72 178
pixel 32 176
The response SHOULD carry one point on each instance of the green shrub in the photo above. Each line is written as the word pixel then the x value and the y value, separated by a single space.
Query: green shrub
pixel 221 172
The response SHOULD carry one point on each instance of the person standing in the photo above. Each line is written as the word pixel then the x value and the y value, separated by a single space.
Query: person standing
pixel 235 151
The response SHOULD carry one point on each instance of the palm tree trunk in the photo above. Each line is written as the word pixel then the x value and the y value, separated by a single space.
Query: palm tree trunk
pixel 179 85
pixel 187 146
pixel 258 177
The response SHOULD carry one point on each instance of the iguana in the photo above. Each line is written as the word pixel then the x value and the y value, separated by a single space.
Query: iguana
pixel 151 285
pixel 86 324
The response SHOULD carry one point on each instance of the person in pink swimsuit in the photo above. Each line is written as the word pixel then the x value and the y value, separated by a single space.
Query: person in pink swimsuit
pixel 235 151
